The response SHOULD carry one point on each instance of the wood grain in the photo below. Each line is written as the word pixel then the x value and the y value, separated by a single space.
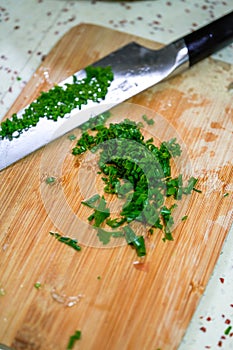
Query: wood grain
pixel 142 305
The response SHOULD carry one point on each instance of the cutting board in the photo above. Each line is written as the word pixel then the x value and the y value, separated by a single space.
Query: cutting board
pixel 117 300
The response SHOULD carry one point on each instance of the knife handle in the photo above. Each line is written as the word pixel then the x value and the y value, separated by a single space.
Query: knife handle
pixel 209 39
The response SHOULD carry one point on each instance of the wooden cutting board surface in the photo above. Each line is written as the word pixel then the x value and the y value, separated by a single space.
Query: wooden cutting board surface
pixel 117 301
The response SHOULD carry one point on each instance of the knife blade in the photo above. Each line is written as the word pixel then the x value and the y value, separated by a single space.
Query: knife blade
pixel 4 347
pixel 135 69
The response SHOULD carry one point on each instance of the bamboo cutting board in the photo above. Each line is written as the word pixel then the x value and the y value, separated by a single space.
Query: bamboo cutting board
pixel 117 301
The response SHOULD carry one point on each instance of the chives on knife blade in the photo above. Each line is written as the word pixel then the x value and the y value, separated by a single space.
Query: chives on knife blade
pixel 59 101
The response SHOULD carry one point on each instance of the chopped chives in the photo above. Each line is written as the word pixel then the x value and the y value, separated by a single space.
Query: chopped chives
pixel 73 338
pixel 66 240
pixel 227 331
pixel 50 180
pixel 138 171
pixel 59 101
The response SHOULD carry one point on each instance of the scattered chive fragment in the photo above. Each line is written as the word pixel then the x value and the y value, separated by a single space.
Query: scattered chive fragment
pixel 69 241
pixel 227 331
pixel 37 285
pixel 226 194
pixel 138 171
pixel 196 190
pixel 73 338
pixel 147 120
pixel 90 202
pixel 101 212
pixel 50 180
pixel 72 137
pixel 136 241
pixel 95 121
pixel 105 236
pixel 59 101
pixel 185 217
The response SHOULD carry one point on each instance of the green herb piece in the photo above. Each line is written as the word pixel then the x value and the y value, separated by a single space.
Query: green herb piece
pixel 137 242
pixel 227 331
pixel 175 187
pixel 98 277
pixel 117 234
pixel 117 222
pixel 147 120
pixel 196 190
pixel 37 285
pixel 90 202
pixel 72 137
pixel 185 217
pixel 59 101
pixel 105 236
pixel 168 221
pixel 73 338
pixel 124 130
pixel 69 241
pixel 101 212
pixel 190 187
pixel 18 78
pixel 226 194
pixel 94 122
pixel 50 180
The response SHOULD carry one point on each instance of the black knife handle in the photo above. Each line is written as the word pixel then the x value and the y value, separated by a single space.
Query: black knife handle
pixel 209 39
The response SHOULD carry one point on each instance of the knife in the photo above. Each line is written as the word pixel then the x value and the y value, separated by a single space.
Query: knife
pixel 4 347
pixel 135 69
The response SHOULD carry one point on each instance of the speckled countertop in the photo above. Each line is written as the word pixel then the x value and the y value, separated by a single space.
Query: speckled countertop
pixel 26 39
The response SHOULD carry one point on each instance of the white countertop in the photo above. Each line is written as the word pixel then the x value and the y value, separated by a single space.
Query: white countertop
pixel 28 31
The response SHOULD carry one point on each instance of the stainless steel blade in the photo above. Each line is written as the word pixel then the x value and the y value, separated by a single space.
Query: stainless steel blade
pixel 135 69
pixel 4 347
